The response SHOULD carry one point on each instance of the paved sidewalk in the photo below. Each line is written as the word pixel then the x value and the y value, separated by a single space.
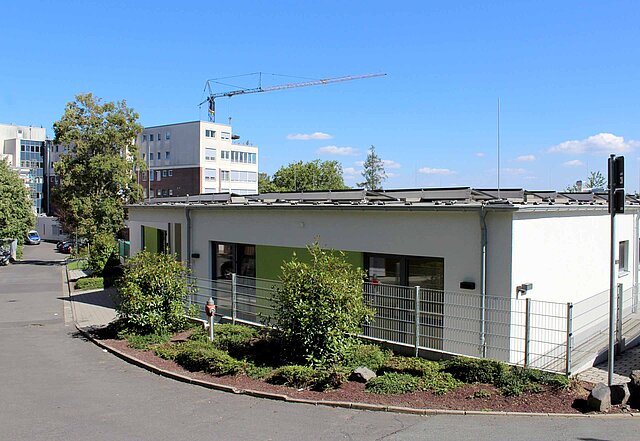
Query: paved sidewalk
pixel 92 308
pixel 623 365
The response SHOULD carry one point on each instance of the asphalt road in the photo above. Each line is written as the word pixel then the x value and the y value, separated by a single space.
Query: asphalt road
pixel 54 385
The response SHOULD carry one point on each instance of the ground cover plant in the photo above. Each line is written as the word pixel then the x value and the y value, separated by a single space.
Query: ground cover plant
pixel 89 283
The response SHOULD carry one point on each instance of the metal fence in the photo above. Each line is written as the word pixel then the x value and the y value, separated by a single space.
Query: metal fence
pixel 544 335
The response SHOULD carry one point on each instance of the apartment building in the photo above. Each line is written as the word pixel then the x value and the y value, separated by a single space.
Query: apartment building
pixel 195 158
pixel 25 148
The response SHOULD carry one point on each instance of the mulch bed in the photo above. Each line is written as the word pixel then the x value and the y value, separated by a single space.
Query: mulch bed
pixel 572 400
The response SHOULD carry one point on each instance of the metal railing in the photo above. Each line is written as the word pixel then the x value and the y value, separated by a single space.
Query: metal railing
pixel 545 335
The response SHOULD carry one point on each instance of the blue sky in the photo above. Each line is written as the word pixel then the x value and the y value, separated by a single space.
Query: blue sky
pixel 566 74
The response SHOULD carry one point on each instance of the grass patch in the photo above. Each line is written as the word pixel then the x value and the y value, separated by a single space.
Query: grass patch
pixel 89 283
pixel 77 264
pixel 144 342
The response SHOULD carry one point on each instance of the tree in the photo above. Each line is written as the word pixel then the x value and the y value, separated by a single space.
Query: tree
pixel 97 174
pixel 304 176
pixel 16 208
pixel 319 306
pixel 373 173
pixel 593 181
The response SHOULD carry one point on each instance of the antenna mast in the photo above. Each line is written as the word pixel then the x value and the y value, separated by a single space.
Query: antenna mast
pixel 498 141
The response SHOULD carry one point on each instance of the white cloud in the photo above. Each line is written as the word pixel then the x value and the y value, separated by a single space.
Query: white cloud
pixel 602 143
pixel 513 171
pixel 526 158
pixel 480 154
pixel 436 171
pixel 340 151
pixel 350 172
pixel 574 163
pixel 308 136
pixel 390 163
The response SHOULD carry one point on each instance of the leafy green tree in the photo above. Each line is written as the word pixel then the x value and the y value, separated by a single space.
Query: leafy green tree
pixel 373 173
pixel 264 183
pixel 595 180
pixel 305 176
pixel 319 306
pixel 152 291
pixel 16 210
pixel 97 174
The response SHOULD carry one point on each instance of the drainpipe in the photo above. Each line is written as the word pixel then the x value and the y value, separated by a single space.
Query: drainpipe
pixel 187 214
pixel 483 281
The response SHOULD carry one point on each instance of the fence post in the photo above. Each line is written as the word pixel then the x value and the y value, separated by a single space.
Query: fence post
pixel 567 367
pixel 234 298
pixel 527 331
pixel 417 319
pixel 619 318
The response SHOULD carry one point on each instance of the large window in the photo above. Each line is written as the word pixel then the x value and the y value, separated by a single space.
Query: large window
pixel 426 272
pixel 233 258
pixel 210 133
pixel 210 154
pixel 243 176
pixel 209 174
pixel 243 157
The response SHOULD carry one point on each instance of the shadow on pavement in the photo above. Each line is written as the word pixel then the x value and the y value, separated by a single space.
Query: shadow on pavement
pixel 105 298
pixel 39 262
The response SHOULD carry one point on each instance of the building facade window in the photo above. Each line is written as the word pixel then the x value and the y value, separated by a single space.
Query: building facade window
pixel 243 176
pixel 159 138
pixel 164 173
pixel 158 156
pixel 210 154
pixel 210 133
pixel 224 175
pixel 225 135
pixel 243 157
pixel 167 155
pixel 224 154
pixel 170 192
pixel 144 137
pixel 144 156
pixel 209 174
pixel 623 257
pixel 151 137
pixel 170 172
pixel 167 135
pixel 152 175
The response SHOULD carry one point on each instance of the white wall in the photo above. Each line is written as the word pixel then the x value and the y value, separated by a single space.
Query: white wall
pixel 565 254
pixel 49 228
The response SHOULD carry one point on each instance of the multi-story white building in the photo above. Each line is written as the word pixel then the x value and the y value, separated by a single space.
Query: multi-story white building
pixel 194 158
pixel 25 149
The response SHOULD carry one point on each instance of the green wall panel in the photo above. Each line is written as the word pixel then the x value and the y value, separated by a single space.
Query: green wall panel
pixel 269 259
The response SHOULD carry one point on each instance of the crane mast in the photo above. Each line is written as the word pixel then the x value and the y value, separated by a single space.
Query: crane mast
pixel 211 99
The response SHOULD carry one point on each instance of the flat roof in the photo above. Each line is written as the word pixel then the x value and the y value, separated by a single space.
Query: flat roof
pixel 456 198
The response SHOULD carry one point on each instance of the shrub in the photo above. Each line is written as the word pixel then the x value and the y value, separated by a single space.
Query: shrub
pixel 257 372
pixel 167 351
pixel 104 249
pixel 472 370
pixel 482 393
pixel 412 366
pixel 89 283
pixel 294 376
pixel 234 339
pixel 392 383
pixel 371 356
pixel 145 341
pixel 201 356
pixel 151 293
pixel 319 305
pixel 439 382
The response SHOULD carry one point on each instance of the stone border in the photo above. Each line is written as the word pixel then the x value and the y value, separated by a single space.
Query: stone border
pixel 342 404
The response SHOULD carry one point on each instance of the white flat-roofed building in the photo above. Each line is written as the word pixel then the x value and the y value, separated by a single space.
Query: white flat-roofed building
pixel 196 157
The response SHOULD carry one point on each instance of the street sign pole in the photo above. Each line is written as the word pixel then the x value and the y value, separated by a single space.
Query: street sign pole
pixel 616 205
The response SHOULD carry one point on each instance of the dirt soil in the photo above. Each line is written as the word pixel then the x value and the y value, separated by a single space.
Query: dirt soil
pixel 572 400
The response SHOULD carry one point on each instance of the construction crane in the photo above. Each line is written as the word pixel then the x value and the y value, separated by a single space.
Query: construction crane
pixel 211 99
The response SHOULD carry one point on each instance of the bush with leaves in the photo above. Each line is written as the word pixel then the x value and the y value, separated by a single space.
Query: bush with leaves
pixel 152 292
pixel 319 306
pixel 16 211
pixel 103 250
pixel 371 356
pixel 393 383
pixel 203 356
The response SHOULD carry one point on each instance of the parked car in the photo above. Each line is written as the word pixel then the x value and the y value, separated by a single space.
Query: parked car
pixel 33 238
